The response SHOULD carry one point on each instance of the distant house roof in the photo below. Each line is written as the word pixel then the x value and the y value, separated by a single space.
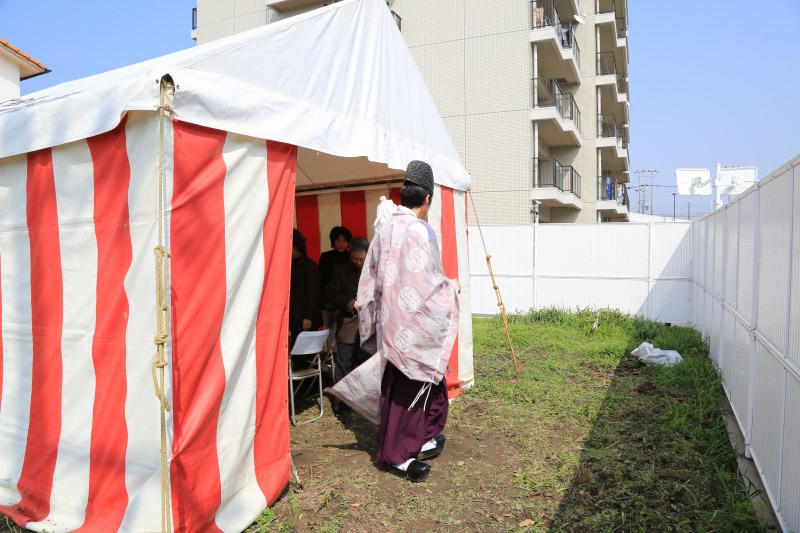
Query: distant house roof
pixel 28 66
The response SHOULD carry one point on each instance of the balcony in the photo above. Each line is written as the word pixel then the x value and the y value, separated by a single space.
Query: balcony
pixel 557 114
pixel 284 6
pixel 622 89
pixel 605 7
pixel 606 64
pixel 556 185
pixel 557 53
pixel 622 33
pixel 612 198
pixel 612 140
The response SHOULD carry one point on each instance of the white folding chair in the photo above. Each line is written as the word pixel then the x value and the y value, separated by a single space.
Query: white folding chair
pixel 307 343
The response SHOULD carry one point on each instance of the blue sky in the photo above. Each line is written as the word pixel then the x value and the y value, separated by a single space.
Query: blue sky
pixel 711 81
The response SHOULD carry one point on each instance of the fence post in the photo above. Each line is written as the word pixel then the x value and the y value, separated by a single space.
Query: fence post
pixel 535 265
pixel 650 270
pixel 748 429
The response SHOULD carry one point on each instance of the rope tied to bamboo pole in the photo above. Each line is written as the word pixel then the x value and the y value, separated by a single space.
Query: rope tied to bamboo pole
pixel 167 90
pixel 517 364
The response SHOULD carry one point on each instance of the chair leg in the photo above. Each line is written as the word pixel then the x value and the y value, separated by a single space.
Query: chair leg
pixel 321 399
pixel 291 401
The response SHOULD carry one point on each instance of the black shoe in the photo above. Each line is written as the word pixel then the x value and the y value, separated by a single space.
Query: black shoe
pixel 433 452
pixel 417 471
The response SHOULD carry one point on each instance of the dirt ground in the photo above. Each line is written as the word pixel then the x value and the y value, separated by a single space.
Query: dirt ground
pixel 471 485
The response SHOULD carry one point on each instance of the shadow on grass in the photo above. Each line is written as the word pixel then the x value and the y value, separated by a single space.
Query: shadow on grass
pixel 657 456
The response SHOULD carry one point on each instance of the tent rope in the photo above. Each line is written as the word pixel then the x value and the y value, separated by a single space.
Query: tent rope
pixel 162 308
pixel 517 365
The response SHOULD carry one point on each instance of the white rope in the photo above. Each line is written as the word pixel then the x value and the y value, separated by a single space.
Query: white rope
pixel 425 389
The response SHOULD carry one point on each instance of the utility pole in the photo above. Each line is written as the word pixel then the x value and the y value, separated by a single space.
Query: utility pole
pixel 673 206
pixel 651 173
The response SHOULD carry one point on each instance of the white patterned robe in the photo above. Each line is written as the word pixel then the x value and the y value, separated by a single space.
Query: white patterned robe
pixel 408 311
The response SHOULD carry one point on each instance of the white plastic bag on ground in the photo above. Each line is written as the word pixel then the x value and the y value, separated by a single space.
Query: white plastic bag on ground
pixel 656 356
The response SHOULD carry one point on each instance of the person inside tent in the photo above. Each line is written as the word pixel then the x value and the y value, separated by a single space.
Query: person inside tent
pixel 342 290
pixel 304 300
pixel 340 241
pixel 408 309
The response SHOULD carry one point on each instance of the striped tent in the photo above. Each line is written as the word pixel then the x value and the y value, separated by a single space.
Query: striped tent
pixel 142 391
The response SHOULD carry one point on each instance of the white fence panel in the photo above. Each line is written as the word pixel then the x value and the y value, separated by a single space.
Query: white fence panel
pixel 794 310
pixel 719 252
pixel 593 250
pixel 768 407
pixel 790 488
pixel 727 351
pixel 668 301
pixel 731 253
pixel 747 215
pixel 511 248
pixel 629 296
pixel 773 286
pixel 744 361
pixel 517 293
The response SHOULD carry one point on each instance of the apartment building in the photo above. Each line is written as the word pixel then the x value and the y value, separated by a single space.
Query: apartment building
pixel 534 94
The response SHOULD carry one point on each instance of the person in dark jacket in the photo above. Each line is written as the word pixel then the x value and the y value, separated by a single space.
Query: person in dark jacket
pixel 342 290
pixel 304 299
pixel 340 240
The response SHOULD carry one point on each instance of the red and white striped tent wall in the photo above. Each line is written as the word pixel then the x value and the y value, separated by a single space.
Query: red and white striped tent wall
pixel 82 167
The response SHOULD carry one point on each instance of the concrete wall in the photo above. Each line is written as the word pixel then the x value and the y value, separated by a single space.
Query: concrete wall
pixel 9 79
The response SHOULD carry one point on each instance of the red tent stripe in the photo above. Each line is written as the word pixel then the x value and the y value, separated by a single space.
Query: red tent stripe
pixel 450 265
pixel 108 497
pixel 197 233
pixel 44 430
pixel 394 195
pixel 308 224
pixel 271 449
pixel 354 212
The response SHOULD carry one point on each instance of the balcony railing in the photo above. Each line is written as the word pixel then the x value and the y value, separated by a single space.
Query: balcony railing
pixel 604 6
pixel 548 172
pixel 606 64
pixel 622 83
pixel 194 18
pixel 609 189
pixel 566 32
pixel 547 93
pixel 622 29
pixel 544 14
pixel 607 128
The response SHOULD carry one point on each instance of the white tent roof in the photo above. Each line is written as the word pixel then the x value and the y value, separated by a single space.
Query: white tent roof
pixel 338 80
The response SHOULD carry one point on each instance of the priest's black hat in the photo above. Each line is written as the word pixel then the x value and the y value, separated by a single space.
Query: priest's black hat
pixel 420 173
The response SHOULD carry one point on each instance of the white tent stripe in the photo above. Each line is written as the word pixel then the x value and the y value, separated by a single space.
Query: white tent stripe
pixel 15 268
pixel 142 472
pixel 246 201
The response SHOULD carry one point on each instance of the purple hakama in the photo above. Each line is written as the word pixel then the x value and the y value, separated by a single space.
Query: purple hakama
pixel 402 432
